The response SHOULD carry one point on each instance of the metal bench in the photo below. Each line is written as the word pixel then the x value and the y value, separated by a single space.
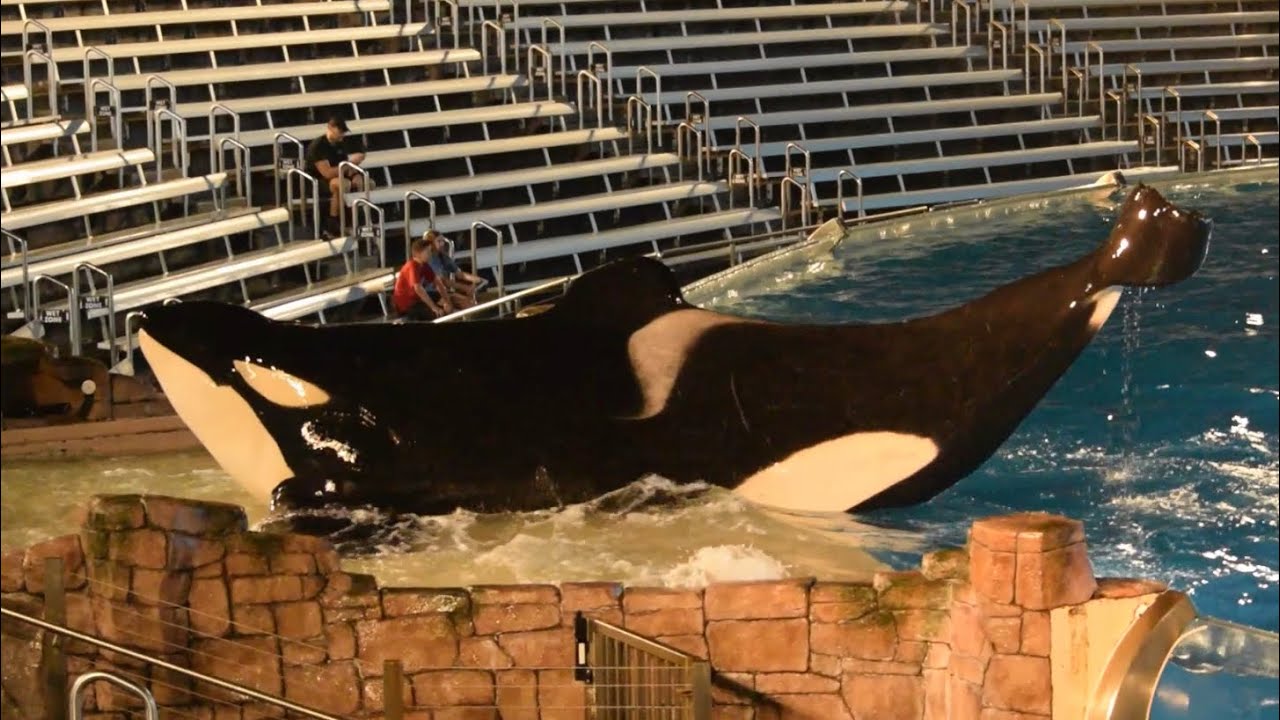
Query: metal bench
pixel 326 294
pixel 574 245
pixel 64 210
pixel 961 193
pixel 939 135
pixel 979 160
pixel 388 158
pixel 160 242
pixel 396 123
pixel 795 62
pixel 244 42
pixel 609 201
pixel 238 13
pixel 667 17
pixel 757 38
pixel 1167 67
pixel 356 95
pixel 70 166
pixel 300 68
pixel 515 178
pixel 43 132
pixel 891 110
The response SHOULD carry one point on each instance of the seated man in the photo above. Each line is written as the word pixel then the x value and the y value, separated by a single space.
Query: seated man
pixel 462 285
pixel 324 154
pixel 411 297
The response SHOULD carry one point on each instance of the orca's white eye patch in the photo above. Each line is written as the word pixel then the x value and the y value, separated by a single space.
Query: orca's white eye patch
pixel 279 387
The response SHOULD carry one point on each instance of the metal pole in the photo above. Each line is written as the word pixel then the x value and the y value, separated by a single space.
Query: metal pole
pixel 233 687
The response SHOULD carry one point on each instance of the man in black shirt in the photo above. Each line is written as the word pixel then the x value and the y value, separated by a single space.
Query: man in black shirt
pixel 324 154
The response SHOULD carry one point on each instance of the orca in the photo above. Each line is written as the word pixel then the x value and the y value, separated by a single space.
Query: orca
pixel 623 378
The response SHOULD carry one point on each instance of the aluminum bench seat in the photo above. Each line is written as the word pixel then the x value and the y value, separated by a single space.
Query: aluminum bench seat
pixel 1168 67
pixel 65 264
pixel 12 93
pixel 41 132
pixel 573 245
pixel 301 68
pixel 73 209
pixel 394 123
pixel 326 294
pixel 686 42
pixel 911 137
pixel 667 17
pixel 1237 113
pixel 791 62
pixel 356 95
pixel 120 20
pixel 1247 87
pixel 138 294
pixel 1242 138
pixel 515 178
pixel 1202 42
pixel 819 87
pixel 890 110
pixel 961 193
pixel 447 151
pixel 980 160
pixel 29 173
pixel 247 41
pixel 1148 21
pixel 569 206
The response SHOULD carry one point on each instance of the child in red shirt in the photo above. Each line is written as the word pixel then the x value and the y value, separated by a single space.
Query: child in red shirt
pixel 410 296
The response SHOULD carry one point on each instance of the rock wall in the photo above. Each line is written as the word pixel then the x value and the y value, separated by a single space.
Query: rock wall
pixel 968 635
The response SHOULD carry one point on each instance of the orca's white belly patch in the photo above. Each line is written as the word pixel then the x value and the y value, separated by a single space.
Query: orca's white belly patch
pixel 838 474
pixel 220 419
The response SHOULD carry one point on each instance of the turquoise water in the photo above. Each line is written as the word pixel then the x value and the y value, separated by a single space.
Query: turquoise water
pixel 1162 437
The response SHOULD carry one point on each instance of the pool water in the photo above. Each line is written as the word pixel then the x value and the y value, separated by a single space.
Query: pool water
pixel 1162 437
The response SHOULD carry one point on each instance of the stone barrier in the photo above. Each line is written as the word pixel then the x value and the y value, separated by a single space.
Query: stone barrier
pixel 996 631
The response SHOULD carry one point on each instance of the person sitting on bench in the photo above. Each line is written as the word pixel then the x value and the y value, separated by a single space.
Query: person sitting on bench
pixel 411 296
pixel 324 155
pixel 462 285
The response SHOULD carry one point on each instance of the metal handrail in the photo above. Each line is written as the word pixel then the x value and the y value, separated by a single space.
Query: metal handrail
pixel 275 158
pixel 506 299
pixel 89 52
pixel 315 199
pixel 452 21
pixel 1158 136
pixel 805 201
pixel 342 191
pixel 548 68
pixel 808 164
pixel 73 317
pixel 1045 64
pixel 26 38
pixel 245 187
pixel 638 105
pixel 153 104
pixel 180 157
pixel 564 58
pixel 1217 142
pixel 1089 49
pixel 500 269
pixel 75 707
pixel 1121 99
pixel 90 91
pixel 89 269
pixel 130 338
pixel 688 108
pixel 862 212
pixel 214 110
pixel 657 92
pixel 736 155
pixel 1062 47
pixel 26 268
pixel 737 132
pixel 201 677
pixel 683 129
pixel 968 21
pixel 1190 143
pixel 484 46
pixel 1004 45
pixel 51 80
pixel 608 69
pixel 599 99
pixel 1177 97
pixel 1250 139
pixel 378 232
pixel 408 219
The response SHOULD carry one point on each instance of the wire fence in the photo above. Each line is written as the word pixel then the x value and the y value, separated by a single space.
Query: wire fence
pixel 613 674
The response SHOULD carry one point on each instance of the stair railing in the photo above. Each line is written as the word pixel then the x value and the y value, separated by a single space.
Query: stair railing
pixel 564 58
pixel 499 269
pixel 605 69
pixel 18 246
pixel 408 218
pixel 279 163
pixel 88 302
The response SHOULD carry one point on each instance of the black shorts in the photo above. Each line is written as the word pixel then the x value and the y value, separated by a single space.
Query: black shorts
pixel 419 311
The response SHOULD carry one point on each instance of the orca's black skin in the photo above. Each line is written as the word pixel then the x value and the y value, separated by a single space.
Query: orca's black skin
pixel 531 413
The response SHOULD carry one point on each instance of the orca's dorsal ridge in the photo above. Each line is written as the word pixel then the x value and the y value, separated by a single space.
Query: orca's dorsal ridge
pixel 627 294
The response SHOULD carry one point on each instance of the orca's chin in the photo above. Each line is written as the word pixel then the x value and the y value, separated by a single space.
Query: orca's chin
pixel 219 418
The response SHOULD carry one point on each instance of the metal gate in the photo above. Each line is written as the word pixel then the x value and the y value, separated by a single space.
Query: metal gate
pixel 635 678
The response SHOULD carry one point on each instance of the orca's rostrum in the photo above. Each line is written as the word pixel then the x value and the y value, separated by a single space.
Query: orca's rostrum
pixel 623 378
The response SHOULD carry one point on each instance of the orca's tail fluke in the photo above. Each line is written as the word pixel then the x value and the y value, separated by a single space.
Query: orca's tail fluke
pixel 1153 243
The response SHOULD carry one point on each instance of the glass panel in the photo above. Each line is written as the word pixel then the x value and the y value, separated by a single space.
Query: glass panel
pixel 1220 670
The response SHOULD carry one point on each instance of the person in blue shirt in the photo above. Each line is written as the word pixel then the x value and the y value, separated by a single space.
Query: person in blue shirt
pixel 462 285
